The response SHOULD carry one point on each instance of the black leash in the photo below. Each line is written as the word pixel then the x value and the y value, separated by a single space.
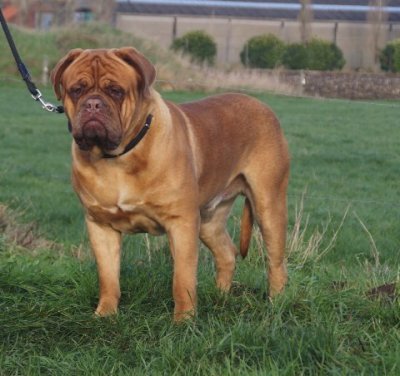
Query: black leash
pixel 36 94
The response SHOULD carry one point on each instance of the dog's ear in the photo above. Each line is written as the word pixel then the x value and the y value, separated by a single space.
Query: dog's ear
pixel 144 67
pixel 60 68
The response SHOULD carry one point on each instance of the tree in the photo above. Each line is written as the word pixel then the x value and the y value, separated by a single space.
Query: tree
pixel 105 10
pixel 377 32
pixel 305 18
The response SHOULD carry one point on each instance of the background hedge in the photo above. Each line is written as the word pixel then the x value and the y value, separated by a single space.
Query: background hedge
pixel 262 51
pixel 295 56
pixel 390 57
pixel 267 51
pixel 323 55
pixel 198 45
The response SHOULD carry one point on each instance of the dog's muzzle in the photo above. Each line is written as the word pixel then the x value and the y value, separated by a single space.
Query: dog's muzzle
pixel 94 126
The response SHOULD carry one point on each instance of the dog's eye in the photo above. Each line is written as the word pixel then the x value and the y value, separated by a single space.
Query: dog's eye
pixel 76 91
pixel 116 92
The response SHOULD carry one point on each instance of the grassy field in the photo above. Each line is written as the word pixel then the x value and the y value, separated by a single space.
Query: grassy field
pixel 339 315
pixel 37 48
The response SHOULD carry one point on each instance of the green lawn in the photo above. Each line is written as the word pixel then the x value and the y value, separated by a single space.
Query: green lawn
pixel 345 174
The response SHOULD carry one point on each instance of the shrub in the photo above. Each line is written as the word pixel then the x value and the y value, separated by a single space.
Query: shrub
pixel 262 51
pixel 295 56
pixel 198 45
pixel 315 55
pixel 390 57
pixel 323 55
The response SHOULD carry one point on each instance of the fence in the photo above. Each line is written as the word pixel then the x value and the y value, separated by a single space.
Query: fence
pixel 356 40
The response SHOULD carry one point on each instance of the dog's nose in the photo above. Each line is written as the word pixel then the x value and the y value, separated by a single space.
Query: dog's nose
pixel 93 104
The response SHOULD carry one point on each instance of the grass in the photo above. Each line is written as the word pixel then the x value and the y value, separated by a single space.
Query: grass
pixel 343 243
pixel 37 47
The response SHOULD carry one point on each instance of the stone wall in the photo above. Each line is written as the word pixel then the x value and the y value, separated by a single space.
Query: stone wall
pixel 362 86
pixel 344 85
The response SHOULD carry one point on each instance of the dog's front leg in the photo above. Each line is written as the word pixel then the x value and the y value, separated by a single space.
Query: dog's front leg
pixel 183 239
pixel 106 246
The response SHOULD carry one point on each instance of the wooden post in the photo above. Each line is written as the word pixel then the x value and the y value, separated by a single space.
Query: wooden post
pixel 335 31
pixel 45 71
pixel 305 18
pixel 174 27
pixel 228 41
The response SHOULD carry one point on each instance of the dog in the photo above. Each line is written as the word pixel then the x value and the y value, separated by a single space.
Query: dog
pixel 141 164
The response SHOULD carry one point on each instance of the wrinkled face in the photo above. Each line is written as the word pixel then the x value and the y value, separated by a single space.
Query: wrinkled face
pixel 101 90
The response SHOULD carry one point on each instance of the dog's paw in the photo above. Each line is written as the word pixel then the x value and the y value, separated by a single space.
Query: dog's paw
pixel 181 317
pixel 106 308
pixel 277 280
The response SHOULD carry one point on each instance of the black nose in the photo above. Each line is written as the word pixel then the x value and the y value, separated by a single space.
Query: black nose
pixel 94 104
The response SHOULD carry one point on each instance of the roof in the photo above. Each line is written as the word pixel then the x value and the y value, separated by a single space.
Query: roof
pixel 324 10
pixel 10 12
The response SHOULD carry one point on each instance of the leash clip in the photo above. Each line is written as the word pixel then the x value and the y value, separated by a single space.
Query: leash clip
pixel 36 94
pixel 45 105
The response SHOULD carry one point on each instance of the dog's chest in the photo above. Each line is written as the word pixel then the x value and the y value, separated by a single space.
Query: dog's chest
pixel 120 206
pixel 127 218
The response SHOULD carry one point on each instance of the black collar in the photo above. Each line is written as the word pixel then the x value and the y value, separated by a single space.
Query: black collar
pixel 136 140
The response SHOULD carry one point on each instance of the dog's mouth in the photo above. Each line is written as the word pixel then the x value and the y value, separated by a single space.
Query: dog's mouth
pixel 94 132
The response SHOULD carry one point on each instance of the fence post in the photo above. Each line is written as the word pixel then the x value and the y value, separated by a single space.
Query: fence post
pixel 228 40
pixel 45 71
pixel 174 28
pixel 335 32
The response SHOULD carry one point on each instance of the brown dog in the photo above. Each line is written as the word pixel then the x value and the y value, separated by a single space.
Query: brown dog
pixel 142 164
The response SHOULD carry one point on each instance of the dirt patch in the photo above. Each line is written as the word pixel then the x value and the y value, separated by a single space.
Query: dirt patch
pixel 387 292
pixel 23 235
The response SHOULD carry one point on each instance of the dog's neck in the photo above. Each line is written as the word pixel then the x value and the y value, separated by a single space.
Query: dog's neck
pixel 139 136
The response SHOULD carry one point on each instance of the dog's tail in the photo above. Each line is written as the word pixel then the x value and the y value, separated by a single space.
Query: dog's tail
pixel 246 225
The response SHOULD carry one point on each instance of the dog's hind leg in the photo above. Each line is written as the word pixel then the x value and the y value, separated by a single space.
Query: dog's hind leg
pixel 268 197
pixel 214 235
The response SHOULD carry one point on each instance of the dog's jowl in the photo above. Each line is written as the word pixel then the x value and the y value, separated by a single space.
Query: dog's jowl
pixel 143 164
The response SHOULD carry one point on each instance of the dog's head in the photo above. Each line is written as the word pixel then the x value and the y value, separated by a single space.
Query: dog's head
pixel 102 91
